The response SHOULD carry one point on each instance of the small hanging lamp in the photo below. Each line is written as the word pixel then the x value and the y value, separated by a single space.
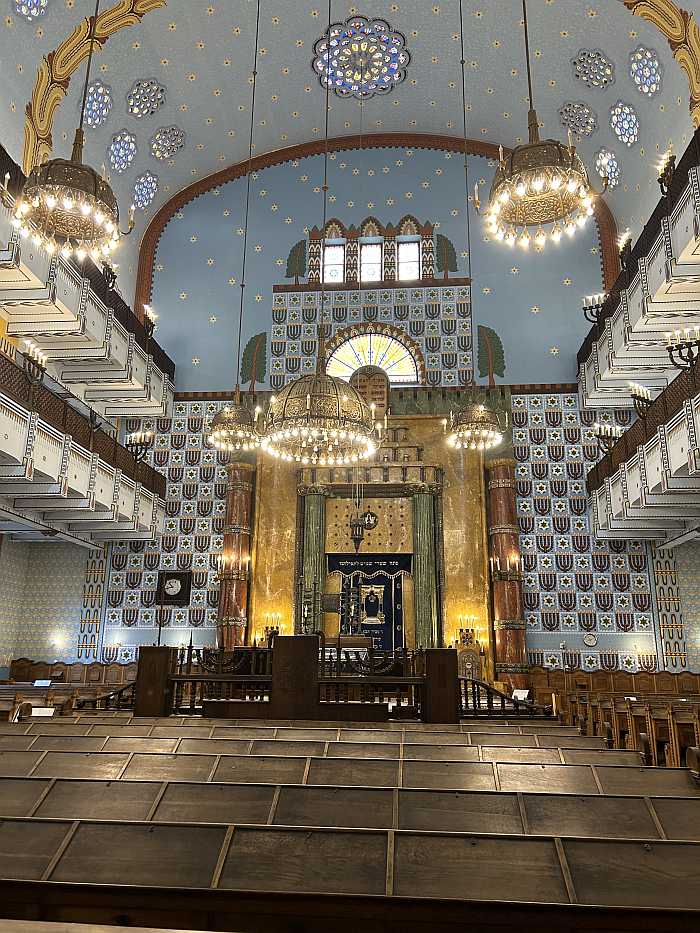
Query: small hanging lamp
pixel 235 426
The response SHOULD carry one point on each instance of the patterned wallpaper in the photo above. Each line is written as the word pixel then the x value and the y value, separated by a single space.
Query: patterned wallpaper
pixel 42 599
pixel 194 527
pixel 575 586
pixel 688 578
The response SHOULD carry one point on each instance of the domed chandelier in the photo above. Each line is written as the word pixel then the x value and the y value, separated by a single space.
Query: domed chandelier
pixel 317 419
pixel 235 427
pixel 65 204
pixel 541 189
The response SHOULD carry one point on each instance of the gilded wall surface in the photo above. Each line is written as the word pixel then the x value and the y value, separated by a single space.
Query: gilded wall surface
pixel 274 542
pixel 393 534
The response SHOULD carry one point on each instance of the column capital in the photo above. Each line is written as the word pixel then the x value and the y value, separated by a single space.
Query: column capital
pixel 504 530
pixel 505 625
pixel 501 462
pixel 432 489
pixel 314 491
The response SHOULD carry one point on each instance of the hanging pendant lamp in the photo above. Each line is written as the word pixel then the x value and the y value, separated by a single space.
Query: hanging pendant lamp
pixel 320 420
pixel 476 426
pixel 235 427
pixel 541 189
pixel 65 204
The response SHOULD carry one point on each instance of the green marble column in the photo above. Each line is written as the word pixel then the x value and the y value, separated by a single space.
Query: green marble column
pixel 425 566
pixel 313 566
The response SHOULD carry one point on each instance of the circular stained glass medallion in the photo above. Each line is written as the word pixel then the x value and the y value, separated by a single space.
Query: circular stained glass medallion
pixel 361 58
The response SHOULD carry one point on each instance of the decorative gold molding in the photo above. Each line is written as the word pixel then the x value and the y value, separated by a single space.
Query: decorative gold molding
pixel 682 32
pixel 56 68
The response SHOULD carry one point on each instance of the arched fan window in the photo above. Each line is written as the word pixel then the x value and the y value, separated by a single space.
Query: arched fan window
pixel 370 349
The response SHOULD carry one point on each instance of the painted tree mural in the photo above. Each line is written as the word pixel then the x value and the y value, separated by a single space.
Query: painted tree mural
pixel 491 358
pixel 254 360
pixel 296 262
pixel 445 255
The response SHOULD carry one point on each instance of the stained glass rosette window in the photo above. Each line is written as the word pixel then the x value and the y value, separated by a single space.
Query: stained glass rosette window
pixel 360 58
pixel 370 349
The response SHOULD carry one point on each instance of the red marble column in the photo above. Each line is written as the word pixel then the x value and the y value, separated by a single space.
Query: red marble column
pixel 235 561
pixel 506 576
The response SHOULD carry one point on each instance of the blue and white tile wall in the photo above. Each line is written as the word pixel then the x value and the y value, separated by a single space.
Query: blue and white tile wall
pixel 193 535
pixel 574 584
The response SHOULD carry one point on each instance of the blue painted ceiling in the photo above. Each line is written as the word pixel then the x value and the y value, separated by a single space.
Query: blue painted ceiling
pixel 201 54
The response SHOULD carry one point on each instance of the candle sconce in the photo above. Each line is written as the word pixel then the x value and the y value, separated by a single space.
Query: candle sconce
pixel 34 367
pixel 641 398
pixel 228 568
pixel 592 305
pixel 666 169
pixel 683 348
pixel 607 436
pixel 138 443
pixel 509 570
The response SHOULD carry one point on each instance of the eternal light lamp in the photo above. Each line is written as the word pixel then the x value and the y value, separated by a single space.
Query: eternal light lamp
pixel 65 204
pixel 541 189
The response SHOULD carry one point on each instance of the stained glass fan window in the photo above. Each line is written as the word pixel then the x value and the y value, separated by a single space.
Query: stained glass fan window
pixel 370 349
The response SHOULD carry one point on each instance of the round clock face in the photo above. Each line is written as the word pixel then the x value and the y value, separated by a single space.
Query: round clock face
pixel 590 640
pixel 172 586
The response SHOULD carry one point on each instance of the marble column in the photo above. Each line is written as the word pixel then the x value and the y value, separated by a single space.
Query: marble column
pixel 425 578
pixel 235 564
pixel 509 625
pixel 310 618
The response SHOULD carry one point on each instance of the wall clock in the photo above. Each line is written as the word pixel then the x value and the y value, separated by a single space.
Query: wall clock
pixel 590 640
pixel 174 587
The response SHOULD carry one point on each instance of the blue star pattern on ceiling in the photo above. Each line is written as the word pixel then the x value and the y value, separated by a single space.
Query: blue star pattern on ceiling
pixel 122 151
pixel 362 58
pixel 189 70
pixel 607 166
pixel 624 122
pixel 98 103
pixel 145 189
pixel 645 70
pixel 593 68
pixel 145 97
pixel 166 141
pixel 31 10
pixel 579 118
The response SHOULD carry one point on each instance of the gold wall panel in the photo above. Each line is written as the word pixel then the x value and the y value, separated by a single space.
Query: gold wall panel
pixel 393 534
pixel 466 585
pixel 274 541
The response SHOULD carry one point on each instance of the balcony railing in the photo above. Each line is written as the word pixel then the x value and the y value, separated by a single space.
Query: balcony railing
pixel 683 388
pixel 652 229
pixel 56 411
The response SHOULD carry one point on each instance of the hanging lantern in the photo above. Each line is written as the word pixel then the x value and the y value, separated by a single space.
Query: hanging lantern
pixel 475 427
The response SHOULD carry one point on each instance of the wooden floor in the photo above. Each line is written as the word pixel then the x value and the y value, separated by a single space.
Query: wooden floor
pixel 493 813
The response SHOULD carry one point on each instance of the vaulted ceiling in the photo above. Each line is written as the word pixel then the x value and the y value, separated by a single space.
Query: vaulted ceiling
pixel 200 52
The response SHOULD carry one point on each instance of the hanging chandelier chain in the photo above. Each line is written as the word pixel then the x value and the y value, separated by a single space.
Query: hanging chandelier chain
pixel 247 196
pixel 464 140
pixel 93 30
pixel 527 57
pixel 321 331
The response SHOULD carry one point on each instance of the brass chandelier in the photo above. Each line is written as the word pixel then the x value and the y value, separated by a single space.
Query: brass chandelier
pixel 317 419
pixel 475 427
pixel 541 189
pixel 65 204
